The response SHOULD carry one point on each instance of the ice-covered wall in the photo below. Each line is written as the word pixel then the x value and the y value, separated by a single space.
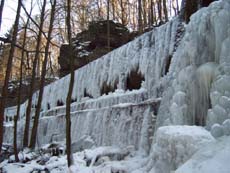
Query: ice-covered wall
pixel 148 57
pixel 121 125
pixel 149 54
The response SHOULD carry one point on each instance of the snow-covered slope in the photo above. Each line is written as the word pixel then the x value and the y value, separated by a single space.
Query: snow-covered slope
pixel 189 83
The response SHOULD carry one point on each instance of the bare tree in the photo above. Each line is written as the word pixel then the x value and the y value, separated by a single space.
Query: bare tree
pixel 20 88
pixel 37 53
pixel 71 83
pixel 8 71
pixel 42 83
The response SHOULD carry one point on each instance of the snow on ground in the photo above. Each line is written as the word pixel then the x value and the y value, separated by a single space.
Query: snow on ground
pixel 108 159
pixel 174 145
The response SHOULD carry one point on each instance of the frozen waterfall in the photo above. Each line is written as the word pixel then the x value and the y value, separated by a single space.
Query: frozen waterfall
pixel 180 81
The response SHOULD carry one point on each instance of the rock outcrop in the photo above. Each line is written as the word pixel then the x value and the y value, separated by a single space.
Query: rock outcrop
pixel 93 43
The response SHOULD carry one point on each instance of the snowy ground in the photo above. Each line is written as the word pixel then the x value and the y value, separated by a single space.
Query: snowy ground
pixel 102 159
pixel 175 145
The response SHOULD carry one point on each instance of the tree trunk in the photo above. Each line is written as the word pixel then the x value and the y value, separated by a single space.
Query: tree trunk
pixel 205 3
pixel 165 10
pixel 38 67
pixel 122 13
pixel 19 91
pixel 151 13
pixel 140 25
pixel 108 27
pixel 159 7
pixel 8 72
pixel 1 10
pixel 42 83
pixel 113 7
pixel 99 10
pixel 144 14
pixel 28 110
pixel 71 83
pixel 190 7
pixel 154 14
pixel 177 7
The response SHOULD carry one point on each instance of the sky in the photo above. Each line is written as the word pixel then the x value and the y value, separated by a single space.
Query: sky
pixel 8 15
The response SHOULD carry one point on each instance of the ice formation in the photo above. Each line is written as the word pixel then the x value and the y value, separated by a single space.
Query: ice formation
pixel 206 41
pixel 212 158
pixel 159 79
pixel 174 145
pixel 106 86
